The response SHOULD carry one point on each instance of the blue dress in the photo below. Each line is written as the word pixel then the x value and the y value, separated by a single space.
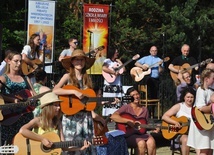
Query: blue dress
pixel 8 132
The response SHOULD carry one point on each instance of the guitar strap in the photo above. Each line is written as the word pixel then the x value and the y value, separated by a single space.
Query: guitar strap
pixel 25 79
pixel 4 85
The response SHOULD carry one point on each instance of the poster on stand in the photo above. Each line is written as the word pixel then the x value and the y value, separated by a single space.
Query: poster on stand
pixel 95 34
pixel 41 18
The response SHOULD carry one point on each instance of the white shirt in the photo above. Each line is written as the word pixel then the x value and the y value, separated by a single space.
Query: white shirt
pixel 3 67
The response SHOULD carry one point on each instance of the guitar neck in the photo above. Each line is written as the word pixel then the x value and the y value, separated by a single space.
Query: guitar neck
pixel 123 65
pixel 193 66
pixel 19 104
pixel 154 64
pixel 67 144
pixel 100 99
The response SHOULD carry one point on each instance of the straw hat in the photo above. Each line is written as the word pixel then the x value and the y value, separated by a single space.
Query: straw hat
pixel 48 99
pixel 66 62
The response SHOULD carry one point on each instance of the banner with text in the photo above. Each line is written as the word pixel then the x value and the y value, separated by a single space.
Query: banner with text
pixel 41 18
pixel 95 34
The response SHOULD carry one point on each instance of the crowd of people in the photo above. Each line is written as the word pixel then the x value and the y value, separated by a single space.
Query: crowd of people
pixel 49 115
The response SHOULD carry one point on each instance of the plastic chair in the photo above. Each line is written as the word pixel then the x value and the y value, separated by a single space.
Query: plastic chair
pixel 149 102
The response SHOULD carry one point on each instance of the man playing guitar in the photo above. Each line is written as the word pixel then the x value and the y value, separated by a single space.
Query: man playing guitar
pixel 151 80
pixel 182 59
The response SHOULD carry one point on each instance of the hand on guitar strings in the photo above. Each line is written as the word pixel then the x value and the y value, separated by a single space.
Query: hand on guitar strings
pixel 47 143
pixel 131 124
pixel 116 101
pixel 177 125
pixel 86 145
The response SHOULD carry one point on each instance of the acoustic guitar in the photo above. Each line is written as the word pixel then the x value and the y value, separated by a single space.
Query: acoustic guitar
pixel 99 128
pixel 140 126
pixel 187 67
pixel 138 73
pixel 71 104
pixel 9 149
pixel 110 78
pixel 169 131
pixel 37 148
pixel 27 69
pixel 202 120
pixel 11 112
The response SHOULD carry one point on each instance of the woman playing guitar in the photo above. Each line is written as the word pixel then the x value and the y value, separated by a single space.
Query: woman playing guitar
pixel 131 114
pixel 78 126
pixel 183 108
pixel 31 56
pixel 113 88
pixel 199 138
pixel 11 83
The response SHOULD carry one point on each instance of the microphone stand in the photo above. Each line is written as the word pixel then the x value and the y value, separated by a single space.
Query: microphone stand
pixel 199 55
pixel 163 55
pixel 90 46
pixel 44 48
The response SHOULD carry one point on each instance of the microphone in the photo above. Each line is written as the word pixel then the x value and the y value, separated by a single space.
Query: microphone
pixel 89 31
pixel 199 38
pixel 163 34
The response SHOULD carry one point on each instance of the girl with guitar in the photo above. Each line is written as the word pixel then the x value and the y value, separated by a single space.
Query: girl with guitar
pixel 11 83
pixel 80 125
pixel 131 114
pixel 183 108
pixel 112 89
pixel 48 121
pixel 202 139
pixel 31 56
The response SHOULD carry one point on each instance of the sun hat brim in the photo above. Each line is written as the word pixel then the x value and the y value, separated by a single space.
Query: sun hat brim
pixel 66 62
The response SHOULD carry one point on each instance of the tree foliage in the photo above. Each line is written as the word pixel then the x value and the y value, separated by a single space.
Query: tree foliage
pixel 135 25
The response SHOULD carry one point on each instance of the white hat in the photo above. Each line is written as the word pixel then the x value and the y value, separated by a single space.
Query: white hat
pixel 48 99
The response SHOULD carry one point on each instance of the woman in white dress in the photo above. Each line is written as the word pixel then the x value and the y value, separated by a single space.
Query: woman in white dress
pixel 182 108
pixel 203 139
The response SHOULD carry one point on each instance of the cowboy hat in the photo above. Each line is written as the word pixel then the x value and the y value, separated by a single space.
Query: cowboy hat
pixel 48 99
pixel 66 62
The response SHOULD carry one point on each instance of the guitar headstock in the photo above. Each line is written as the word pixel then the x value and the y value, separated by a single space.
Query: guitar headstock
pixel 99 140
pixel 100 48
pixel 128 98
pixel 9 149
pixel 166 59
pixel 206 61
pixel 135 57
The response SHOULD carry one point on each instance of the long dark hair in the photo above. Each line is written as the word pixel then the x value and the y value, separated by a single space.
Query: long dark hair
pixel 34 48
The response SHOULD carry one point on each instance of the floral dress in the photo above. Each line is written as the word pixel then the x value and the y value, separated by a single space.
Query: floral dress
pixel 37 110
pixel 8 132
pixel 79 127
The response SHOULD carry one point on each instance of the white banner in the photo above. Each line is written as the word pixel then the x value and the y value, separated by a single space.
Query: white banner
pixel 41 18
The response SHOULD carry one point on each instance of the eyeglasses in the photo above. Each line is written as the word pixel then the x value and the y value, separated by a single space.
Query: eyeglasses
pixel 188 77
pixel 76 43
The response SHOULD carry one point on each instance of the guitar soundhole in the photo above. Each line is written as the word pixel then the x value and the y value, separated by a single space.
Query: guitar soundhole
pixel 45 149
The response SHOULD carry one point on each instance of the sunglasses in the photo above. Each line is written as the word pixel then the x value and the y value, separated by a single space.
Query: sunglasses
pixel 76 43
